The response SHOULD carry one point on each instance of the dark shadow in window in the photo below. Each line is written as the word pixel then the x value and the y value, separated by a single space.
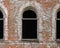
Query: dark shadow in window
pixel 29 29
pixel 1 25
pixel 29 25
pixel 29 14
pixel 1 14
pixel 58 25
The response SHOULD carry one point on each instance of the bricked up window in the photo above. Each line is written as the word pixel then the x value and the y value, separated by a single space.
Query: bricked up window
pixel 1 25
pixel 29 25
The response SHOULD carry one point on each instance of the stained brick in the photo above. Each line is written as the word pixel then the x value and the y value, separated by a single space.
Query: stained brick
pixel 42 46
pixel 7 4
pixel 12 38
pixel 53 46
pixel 21 46
pixel 14 8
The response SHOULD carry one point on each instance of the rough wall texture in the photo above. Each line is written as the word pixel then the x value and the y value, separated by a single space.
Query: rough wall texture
pixel 46 13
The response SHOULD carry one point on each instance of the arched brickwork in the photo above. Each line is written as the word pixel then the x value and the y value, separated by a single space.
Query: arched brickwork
pixel 54 16
pixel 39 11
pixel 5 16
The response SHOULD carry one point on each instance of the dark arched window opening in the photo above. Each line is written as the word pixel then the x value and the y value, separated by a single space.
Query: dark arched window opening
pixel 29 25
pixel 29 14
pixel 1 25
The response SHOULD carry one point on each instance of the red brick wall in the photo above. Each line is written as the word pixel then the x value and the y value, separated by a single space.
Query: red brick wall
pixel 11 27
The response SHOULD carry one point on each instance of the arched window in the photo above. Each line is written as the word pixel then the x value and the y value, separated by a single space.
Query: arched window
pixel 58 25
pixel 1 25
pixel 29 25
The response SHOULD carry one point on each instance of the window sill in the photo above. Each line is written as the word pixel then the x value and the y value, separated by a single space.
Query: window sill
pixel 58 40
pixel 30 40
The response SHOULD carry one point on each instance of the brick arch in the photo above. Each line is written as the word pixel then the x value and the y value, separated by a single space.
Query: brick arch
pixel 54 16
pixel 4 9
pixel 30 8
pixel 5 16
pixel 37 7
pixel 39 11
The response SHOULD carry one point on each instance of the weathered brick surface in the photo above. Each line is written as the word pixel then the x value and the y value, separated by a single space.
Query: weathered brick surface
pixel 42 46
pixel 48 3
pixel 44 12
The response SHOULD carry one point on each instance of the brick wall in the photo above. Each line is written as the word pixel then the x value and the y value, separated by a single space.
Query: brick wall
pixel 45 10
